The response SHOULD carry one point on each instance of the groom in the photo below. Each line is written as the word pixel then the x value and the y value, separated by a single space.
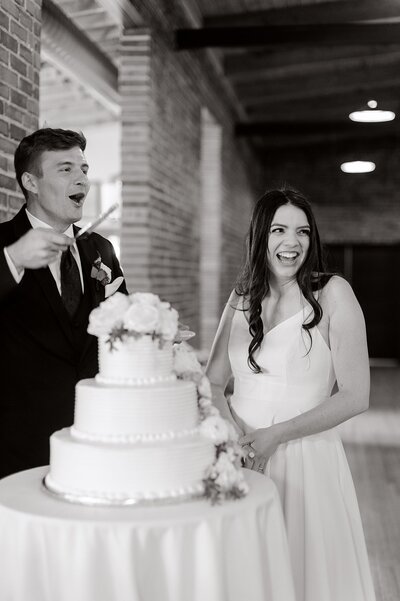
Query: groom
pixel 49 284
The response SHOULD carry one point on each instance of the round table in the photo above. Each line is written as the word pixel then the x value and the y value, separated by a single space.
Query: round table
pixel 51 550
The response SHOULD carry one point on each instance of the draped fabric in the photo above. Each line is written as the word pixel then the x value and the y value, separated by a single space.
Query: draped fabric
pixel 57 551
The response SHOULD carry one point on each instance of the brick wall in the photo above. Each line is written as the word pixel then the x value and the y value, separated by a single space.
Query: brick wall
pixel 161 248
pixel 350 208
pixel 19 90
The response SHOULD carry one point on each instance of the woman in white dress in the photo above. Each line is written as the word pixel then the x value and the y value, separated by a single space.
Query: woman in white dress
pixel 294 340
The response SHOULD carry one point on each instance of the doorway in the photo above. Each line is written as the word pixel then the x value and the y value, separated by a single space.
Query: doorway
pixel 374 273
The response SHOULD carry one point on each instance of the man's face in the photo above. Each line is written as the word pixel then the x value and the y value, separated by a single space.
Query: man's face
pixel 58 194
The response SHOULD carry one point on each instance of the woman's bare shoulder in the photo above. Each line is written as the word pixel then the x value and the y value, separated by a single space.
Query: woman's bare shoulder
pixel 337 294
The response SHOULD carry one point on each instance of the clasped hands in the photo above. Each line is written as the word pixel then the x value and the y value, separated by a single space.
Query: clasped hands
pixel 259 446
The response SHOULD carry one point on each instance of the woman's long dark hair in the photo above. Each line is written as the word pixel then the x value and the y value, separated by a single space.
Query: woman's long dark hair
pixel 253 281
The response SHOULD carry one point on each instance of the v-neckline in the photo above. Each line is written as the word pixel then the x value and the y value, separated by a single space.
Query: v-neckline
pixel 284 321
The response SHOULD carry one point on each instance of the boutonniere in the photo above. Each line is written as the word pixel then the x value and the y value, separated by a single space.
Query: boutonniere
pixel 100 272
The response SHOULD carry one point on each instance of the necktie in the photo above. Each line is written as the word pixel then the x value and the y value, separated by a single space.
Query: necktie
pixel 71 288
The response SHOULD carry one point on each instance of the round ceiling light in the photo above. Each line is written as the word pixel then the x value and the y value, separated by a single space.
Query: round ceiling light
pixel 372 114
pixel 358 167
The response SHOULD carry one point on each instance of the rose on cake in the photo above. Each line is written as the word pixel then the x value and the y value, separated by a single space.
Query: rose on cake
pixel 139 314
pixel 224 479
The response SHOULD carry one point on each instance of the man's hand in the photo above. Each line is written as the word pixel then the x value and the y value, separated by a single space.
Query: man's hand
pixel 37 248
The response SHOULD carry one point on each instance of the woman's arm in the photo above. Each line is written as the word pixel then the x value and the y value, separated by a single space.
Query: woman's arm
pixel 218 368
pixel 348 342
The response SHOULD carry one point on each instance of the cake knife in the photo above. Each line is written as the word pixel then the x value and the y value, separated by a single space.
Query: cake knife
pixel 87 229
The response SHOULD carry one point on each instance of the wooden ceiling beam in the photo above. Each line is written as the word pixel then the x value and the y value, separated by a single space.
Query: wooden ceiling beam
pixel 123 11
pixel 348 142
pixel 321 128
pixel 74 54
pixel 247 65
pixel 318 109
pixel 326 72
pixel 368 80
pixel 348 34
pixel 323 12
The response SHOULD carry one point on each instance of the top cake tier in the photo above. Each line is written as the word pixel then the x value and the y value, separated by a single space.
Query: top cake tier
pixel 135 361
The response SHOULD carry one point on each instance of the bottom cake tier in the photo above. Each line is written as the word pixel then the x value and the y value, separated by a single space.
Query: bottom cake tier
pixel 127 473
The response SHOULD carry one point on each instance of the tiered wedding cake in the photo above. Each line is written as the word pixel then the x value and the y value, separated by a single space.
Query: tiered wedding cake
pixel 144 428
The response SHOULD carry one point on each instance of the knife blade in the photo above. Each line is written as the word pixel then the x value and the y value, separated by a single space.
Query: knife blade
pixel 89 227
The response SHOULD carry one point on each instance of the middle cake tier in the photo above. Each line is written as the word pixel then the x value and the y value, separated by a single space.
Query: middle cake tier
pixel 112 413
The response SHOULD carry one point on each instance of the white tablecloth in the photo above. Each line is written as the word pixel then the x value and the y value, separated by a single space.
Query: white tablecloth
pixel 51 550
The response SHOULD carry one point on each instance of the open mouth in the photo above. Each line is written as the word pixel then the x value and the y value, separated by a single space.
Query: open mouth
pixel 287 257
pixel 77 198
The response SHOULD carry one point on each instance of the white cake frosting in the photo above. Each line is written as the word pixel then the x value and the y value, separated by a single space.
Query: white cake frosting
pixel 114 413
pixel 135 361
pixel 136 434
pixel 128 471
pixel 145 429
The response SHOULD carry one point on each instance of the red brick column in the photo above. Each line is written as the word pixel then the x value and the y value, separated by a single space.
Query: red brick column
pixel 20 24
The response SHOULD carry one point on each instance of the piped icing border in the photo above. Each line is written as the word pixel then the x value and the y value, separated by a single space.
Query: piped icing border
pixel 99 498
pixel 132 438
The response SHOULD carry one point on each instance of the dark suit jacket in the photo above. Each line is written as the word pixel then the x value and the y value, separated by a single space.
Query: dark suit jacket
pixel 43 353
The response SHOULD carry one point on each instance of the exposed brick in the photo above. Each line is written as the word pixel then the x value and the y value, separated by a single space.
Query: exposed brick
pixel 17 132
pixel 7 145
pixel 19 67
pixel 18 99
pixel 4 91
pixel 3 163
pixel 33 106
pixel 162 95
pixel 33 8
pixel 8 41
pixel 4 127
pixel 7 182
pixel 7 76
pixel 4 55
pixel 26 53
pixel 25 86
pixel 19 31
pixel 10 7
pixel 4 20
pixel 26 20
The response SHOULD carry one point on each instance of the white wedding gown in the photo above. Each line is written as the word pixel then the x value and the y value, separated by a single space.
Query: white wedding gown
pixel 325 534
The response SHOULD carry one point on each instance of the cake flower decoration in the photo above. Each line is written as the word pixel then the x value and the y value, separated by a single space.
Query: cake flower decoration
pixel 224 478
pixel 120 317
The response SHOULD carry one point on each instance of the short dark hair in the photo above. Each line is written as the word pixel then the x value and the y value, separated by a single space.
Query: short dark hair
pixel 31 147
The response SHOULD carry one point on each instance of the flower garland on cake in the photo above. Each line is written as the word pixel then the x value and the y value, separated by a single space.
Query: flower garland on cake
pixel 135 315
pixel 140 314
pixel 224 478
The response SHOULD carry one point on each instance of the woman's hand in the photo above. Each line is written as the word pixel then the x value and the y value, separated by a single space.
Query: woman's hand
pixel 263 444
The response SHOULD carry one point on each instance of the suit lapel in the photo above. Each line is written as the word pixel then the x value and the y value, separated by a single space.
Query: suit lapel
pixel 88 254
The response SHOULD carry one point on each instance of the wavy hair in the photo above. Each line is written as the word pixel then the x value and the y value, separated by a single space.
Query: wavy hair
pixel 253 281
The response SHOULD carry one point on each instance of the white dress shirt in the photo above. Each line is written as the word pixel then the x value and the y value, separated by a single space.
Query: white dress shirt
pixel 54 266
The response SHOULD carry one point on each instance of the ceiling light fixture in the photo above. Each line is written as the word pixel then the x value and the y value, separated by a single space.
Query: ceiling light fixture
pixel 358 167
pixel 372 114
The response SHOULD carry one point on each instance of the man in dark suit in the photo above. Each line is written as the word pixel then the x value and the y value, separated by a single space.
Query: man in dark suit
pixel 49 283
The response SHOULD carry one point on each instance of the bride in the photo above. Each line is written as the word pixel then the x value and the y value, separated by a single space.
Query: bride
pixel 293 338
